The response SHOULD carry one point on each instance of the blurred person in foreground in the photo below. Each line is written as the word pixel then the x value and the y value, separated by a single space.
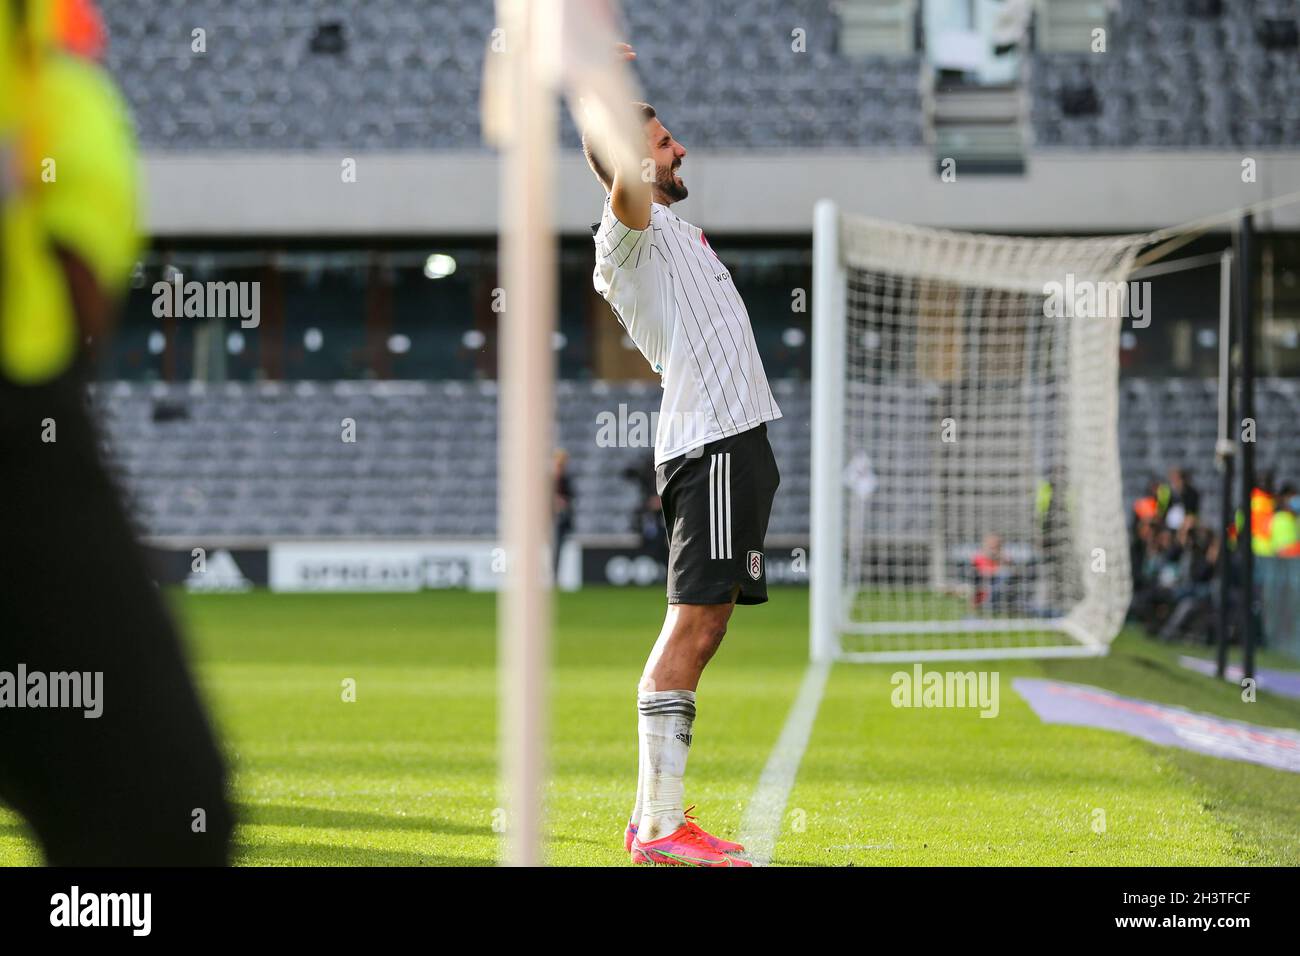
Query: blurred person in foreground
pixel 104 745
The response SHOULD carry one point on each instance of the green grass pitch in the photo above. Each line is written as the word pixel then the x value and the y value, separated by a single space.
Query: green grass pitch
pixel 407 773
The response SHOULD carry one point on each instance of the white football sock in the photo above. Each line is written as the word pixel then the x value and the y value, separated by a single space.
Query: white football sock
pixel 635 818
pixel 665 720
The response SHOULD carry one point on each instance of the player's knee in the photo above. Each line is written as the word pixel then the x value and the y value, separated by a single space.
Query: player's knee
pixel 706 635
pixel 717 631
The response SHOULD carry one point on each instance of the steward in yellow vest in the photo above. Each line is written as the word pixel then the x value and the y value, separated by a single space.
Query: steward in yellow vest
pixel 68 210
pixel 77 588
pixel 1284 532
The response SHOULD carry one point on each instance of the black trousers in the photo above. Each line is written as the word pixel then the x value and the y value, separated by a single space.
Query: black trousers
pixel 144 782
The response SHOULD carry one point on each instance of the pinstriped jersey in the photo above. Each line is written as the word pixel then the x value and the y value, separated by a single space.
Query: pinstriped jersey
pixel 679 305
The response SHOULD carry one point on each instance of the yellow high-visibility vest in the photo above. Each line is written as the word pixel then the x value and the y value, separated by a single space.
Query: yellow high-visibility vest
pixel 1043 498
pixel 91 207
pixel 1284 536
pixel 69 179
pixel 37 327
pixel 1261 522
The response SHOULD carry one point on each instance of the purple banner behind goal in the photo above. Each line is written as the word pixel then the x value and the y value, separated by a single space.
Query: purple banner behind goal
pixel 1056 702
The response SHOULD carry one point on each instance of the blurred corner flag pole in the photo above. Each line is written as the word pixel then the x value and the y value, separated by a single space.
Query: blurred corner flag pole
pixel 538 48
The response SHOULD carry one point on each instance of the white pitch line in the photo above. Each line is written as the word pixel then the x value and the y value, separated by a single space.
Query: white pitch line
pixel 761 825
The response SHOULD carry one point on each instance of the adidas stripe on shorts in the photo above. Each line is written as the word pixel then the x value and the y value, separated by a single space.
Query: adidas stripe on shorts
pixel 717 500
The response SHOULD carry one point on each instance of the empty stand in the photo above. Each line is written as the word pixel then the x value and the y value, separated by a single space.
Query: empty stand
pixel 397 74
pixel 268 460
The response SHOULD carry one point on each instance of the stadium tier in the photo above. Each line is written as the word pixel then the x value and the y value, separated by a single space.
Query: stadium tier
pixel 314 75
pixel 268 460
pixel 1216 79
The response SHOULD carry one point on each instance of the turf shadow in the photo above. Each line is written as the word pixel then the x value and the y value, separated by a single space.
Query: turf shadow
pixel 273 814
pixel 290 853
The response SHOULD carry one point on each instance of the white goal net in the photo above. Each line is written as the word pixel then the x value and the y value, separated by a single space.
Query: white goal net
pixel 966 478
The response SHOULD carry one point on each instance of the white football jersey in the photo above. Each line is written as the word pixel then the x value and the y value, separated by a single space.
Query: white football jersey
pixel 677 302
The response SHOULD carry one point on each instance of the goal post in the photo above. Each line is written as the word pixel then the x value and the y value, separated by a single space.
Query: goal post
pixel 826 534
pixel 966 495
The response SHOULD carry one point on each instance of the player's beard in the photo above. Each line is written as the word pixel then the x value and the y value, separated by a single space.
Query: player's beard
pixel 668 186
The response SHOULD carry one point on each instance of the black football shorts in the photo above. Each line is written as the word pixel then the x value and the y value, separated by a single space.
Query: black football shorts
pixel 717 501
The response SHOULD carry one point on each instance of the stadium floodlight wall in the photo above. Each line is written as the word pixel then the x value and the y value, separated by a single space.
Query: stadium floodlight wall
pixel 966 488
pixel 453 192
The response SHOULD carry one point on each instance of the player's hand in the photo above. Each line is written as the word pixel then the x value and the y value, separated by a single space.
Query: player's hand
pixel 625 51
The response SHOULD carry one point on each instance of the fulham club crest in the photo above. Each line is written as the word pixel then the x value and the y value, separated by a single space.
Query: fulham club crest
pixel 756 564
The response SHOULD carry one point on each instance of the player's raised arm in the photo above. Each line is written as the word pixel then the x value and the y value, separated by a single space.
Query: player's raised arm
pixel 614 141
pixel 630 198
pixel 632 189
